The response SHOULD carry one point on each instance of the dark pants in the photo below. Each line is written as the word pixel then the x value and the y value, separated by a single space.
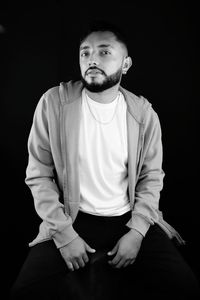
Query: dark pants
pixel 159 272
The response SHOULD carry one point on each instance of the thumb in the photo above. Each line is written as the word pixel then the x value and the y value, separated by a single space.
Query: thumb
pixel 114 250
pixel 89 249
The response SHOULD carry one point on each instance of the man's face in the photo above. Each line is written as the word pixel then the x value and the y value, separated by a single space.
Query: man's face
pixel 101 60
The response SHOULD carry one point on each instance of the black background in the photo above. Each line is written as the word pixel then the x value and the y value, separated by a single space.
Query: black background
pixel 39 49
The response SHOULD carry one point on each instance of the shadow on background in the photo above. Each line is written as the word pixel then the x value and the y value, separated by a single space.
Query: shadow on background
pixel 39 49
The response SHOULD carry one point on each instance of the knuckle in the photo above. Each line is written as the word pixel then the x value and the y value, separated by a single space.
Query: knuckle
pixel 85 258
pixel 77 267
pixel 77 256
pixel 120 255
pixel 82 265
pixel 70 266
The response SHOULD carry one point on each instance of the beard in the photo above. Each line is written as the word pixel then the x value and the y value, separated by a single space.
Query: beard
pixel 108 82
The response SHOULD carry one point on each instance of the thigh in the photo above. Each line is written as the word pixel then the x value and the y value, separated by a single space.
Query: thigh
pixel 161 270
pixel 42 268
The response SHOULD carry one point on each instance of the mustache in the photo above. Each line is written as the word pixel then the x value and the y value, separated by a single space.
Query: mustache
pixel 94 68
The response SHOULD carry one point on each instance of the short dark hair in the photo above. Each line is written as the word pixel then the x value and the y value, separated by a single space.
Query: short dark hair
pixel 102 25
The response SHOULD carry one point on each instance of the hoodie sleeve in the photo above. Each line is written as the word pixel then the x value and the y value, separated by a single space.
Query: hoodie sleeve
pixel 40 179
pixel 150 176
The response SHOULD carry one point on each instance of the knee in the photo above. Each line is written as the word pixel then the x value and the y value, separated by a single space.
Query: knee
pixel 193 290
pixel 188 287
pixel 20 292
pixel 16 293
pixel 46 290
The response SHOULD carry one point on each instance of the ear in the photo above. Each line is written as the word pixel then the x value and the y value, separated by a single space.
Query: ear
pixel 126 64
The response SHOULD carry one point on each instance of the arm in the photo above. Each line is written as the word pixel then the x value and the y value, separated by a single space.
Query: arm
pixel 147 193
pixel 40 179
pixel 149 177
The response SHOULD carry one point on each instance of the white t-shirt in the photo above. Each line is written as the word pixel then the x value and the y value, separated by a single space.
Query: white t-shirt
pixel 103 157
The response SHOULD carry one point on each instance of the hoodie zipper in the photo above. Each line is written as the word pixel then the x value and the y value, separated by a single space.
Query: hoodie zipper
pixel 64 160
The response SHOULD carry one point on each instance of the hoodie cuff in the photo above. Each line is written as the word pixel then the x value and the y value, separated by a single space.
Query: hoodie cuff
pixel 64 237
pixel 139 223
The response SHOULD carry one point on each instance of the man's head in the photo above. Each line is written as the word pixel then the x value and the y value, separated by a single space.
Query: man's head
pixel 103 57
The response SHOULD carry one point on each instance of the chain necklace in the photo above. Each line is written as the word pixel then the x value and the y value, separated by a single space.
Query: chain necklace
pixel 93 115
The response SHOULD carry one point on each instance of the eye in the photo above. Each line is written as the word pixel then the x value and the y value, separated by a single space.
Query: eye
pixel 105 52
pixel 84 54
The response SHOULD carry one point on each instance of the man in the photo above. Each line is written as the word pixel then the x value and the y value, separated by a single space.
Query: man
pixel 95 173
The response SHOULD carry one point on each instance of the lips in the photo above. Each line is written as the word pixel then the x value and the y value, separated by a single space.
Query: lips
pixel 93 72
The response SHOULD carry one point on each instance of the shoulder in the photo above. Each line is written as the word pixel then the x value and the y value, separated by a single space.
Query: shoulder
pixel 48 103
pixel 51 95
pixel 64 93
pixel 139 107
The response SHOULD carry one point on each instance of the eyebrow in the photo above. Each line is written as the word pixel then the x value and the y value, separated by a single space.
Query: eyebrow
pixel 99 46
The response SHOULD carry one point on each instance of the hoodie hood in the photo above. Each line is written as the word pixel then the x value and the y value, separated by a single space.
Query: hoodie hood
pixel 137 105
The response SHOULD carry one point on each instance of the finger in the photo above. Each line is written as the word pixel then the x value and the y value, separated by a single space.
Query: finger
pixel 127 263
pixel 70 266
pixel 115 260
pixel 113 251
pixel 132 261
pixel 81 262
pixel 89 249
pixel 85 258
pixel 75 265
pixel 120 264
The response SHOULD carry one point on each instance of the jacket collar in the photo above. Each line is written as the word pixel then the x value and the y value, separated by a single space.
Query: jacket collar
pixel 137 105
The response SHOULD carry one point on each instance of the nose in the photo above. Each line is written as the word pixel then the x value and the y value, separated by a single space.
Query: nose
pixel 93 60
pixel 93 63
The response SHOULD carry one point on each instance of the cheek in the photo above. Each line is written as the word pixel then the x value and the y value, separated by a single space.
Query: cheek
pixel 112 68
pixel 83 67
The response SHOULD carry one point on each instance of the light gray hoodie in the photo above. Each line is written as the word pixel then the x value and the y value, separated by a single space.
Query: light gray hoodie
pixel 53 172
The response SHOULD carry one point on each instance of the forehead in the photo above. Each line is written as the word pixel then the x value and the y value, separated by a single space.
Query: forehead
pixel 100 38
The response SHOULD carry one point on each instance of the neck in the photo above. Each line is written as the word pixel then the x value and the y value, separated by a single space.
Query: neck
pixel 106 96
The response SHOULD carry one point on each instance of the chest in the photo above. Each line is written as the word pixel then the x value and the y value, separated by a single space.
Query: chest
pixel 103 133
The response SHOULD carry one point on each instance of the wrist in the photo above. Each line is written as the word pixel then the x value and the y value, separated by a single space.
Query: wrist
pixel 133 230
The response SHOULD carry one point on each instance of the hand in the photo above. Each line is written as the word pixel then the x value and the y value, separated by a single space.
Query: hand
pixel 75 253
pixel 126 249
